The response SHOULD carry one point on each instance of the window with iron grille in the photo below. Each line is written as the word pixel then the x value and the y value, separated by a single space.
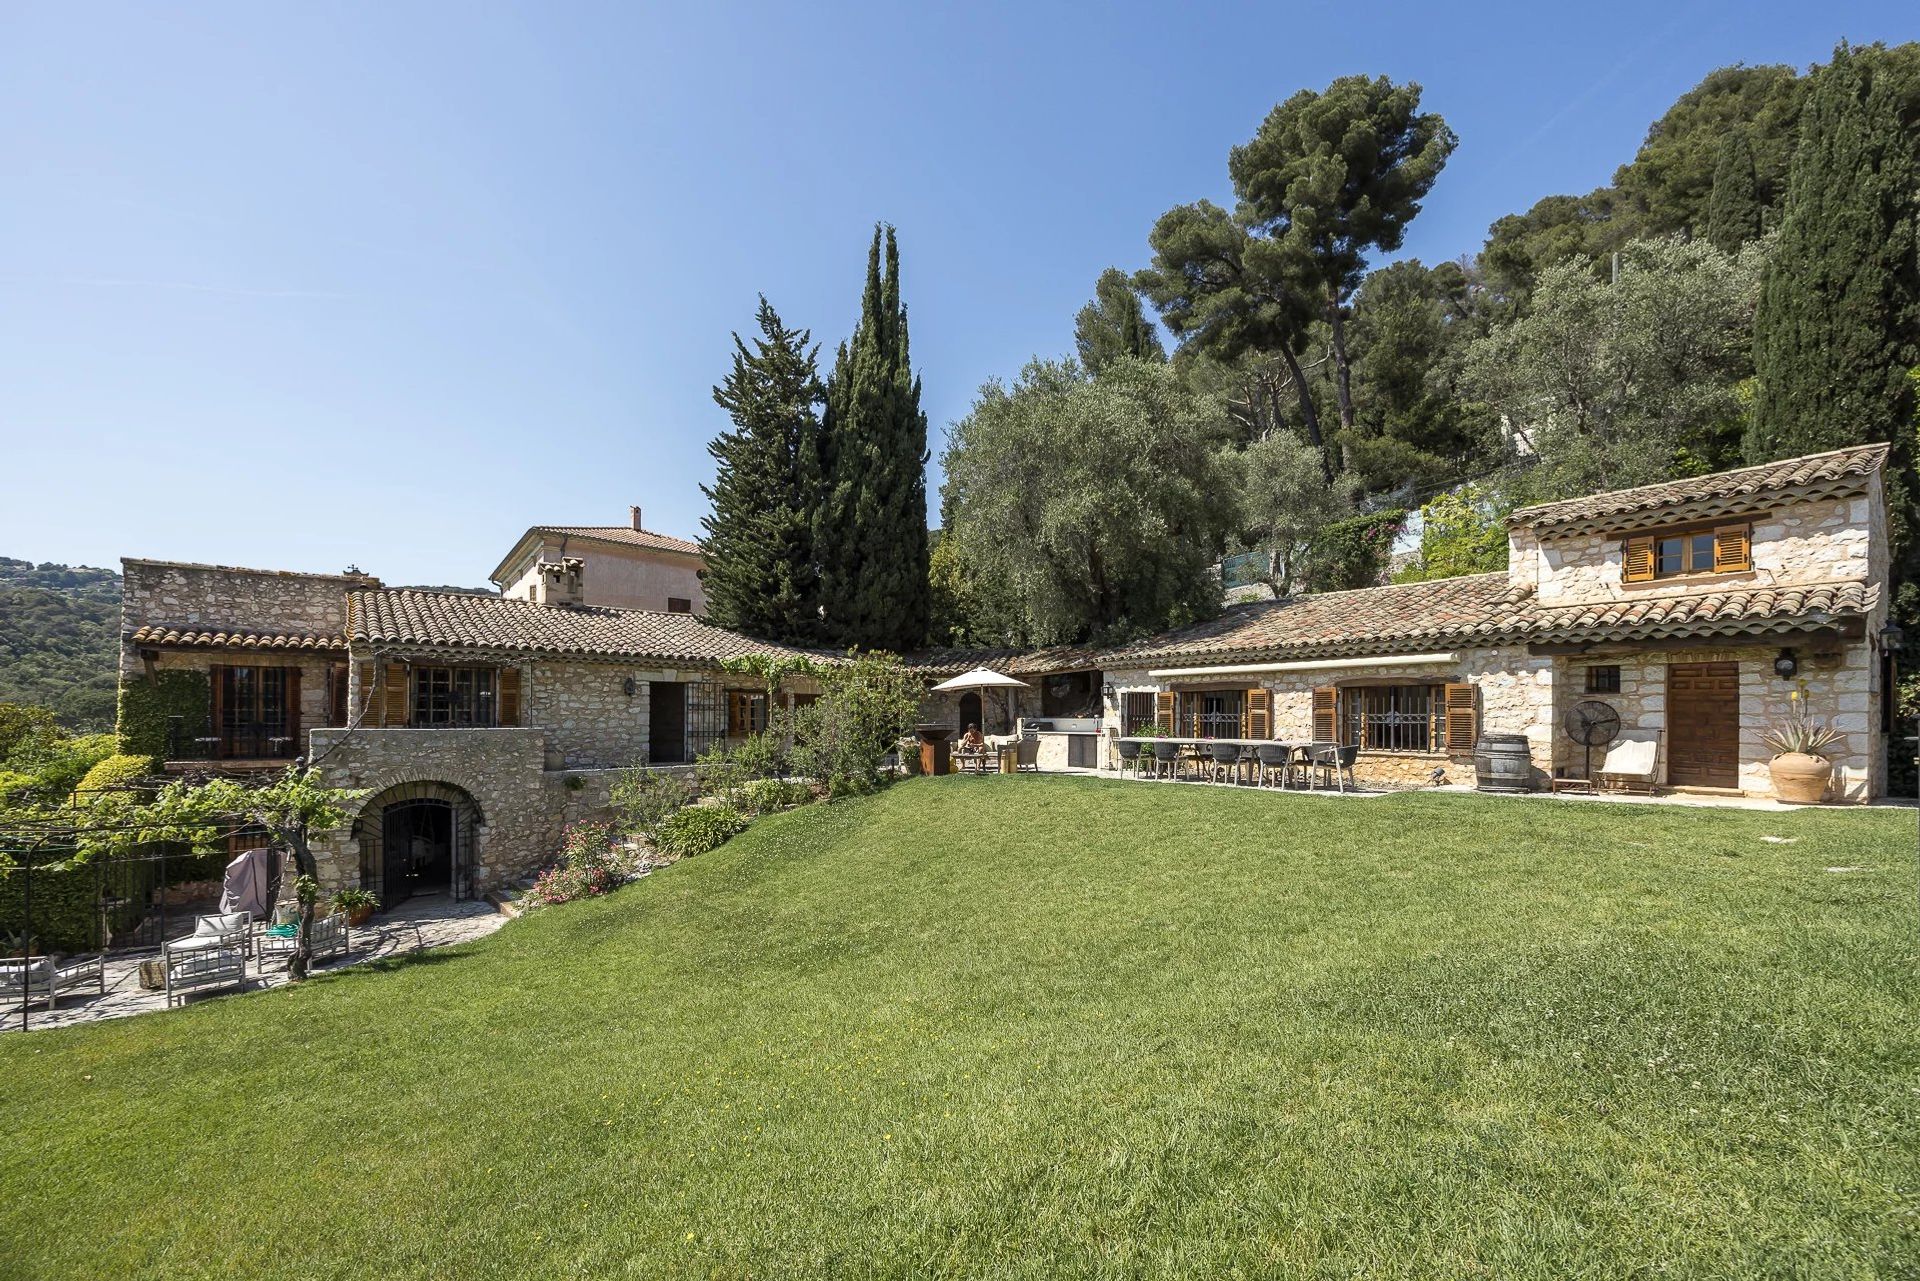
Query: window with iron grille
pixel 1394 718
pixel 1603 680
pixel 706 717
pixel 457 697
pixel 1136 712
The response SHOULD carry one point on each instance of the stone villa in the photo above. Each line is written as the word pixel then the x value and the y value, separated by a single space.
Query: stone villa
pixel 480 724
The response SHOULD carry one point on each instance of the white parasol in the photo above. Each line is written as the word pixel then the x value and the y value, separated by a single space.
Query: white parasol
pixel 984 678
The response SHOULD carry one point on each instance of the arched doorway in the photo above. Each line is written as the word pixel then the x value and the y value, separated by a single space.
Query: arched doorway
pixel 970 710
pixel 417 839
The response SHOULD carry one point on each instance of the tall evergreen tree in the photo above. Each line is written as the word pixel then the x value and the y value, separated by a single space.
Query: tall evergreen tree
pixel 1114 324
pixel 870 532
pixel 1734 211
pixel 761 576
pixel 1839 323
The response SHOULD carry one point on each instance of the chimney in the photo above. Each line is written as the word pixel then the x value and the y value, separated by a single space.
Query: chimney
pixel 633 514
pixel 561 581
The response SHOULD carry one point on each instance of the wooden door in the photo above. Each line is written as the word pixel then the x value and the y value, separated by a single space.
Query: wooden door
pixel 1703 724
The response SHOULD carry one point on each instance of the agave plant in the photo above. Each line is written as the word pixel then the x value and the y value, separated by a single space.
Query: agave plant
pixel 1797 731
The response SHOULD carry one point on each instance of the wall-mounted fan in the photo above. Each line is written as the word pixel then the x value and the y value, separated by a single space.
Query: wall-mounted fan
pixel 1591 723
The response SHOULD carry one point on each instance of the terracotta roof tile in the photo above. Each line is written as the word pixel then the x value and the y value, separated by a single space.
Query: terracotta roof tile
pixel 1829 475
pixel 1477 608
pixel 624 535
pixel 1707 614
pixel 203 638
pixel 449 620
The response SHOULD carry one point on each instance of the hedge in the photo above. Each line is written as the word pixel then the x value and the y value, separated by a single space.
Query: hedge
pixel 148 706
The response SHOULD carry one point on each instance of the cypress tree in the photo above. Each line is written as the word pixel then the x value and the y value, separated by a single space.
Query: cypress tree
pixel 1114 324
pixel 1839 320
pixel 870 532
pixel 1733 204
pixel 761 577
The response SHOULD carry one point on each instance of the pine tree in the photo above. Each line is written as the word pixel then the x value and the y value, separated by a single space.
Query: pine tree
pixel 1114 325
pixel 761 576
pixel 1839 321
pixel 1733 206
pixel 870 533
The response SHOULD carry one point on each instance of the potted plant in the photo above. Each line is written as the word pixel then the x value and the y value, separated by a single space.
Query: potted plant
pixel 1800 769
pixel 358 904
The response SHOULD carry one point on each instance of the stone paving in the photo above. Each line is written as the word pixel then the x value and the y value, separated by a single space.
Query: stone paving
pixel 414 926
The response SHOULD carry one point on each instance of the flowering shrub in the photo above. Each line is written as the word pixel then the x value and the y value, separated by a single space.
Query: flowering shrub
pixel 700 828
pixel 764 795
pixel 587 867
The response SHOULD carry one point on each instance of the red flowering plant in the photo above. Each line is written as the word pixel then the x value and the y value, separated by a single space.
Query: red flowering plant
pixel 588 865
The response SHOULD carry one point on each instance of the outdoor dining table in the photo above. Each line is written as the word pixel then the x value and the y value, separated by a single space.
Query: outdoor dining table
pixel 1196 743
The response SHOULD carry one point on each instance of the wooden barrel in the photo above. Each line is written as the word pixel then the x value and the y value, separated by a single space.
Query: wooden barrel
pixel 1503 763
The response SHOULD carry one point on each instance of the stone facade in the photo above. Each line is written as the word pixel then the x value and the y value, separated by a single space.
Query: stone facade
pixel 1826 541
pixel 221 598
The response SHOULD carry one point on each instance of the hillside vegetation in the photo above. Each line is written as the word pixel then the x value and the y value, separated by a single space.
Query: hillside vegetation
pixel 1042 1027
pixel 59 640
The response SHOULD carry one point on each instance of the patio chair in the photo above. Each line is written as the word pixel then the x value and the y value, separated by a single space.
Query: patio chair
pixel 44 978
pixel 1129 757
pixel 1225 758
pixel 1632 764
pixel 1267 759
pixel 195 969
pixel 331 937
pixel 1335 764
pixel 224 929
pixel 1166 759
pixel 1026 756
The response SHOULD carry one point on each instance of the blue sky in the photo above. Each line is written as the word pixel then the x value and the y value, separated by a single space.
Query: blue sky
pixel 298 286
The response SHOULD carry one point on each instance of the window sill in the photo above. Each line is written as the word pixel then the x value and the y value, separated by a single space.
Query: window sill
pixel 1684 581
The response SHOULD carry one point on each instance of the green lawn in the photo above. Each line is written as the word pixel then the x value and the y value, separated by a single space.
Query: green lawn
pixel 1033 1027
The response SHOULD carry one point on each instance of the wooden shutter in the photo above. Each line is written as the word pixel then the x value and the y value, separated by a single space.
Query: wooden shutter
pixel 1732 549
pixel 336 694
pixel 1639 559
pixel 1163 711
pixel 509 696
pixel 1257 720
pixel 292 694
pixel 395 705
pixel 1463 726
pixel 1326 714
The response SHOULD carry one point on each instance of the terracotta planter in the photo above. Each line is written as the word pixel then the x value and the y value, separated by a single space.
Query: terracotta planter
pixel 358 916
pixel 1800 779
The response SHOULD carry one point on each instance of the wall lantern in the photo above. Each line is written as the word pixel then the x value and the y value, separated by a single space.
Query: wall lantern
pixel 630 685
pixel 1786 665
pixel 1892 637
pixel 1106 691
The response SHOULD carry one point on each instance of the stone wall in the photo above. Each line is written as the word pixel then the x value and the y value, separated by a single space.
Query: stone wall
pixel 522 805
pixel 1840 686
pixel 1515 695
pixel 219 598
pixel 1835 540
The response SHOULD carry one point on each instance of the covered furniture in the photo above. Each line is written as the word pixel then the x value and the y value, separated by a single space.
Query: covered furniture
pixel 201 968
pixel 1632 763
pixel 44 978
pixel 330 938
pixel 224 929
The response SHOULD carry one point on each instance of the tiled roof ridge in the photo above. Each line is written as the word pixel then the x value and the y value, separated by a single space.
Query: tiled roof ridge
pixel 607 533
pixel 1780 475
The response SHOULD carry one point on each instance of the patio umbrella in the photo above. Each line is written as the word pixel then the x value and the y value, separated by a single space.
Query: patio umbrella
pixel 983 678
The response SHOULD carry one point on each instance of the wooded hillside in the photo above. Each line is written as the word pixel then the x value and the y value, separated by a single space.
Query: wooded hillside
pixel 59 628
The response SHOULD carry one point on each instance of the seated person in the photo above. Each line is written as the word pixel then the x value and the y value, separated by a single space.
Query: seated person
pixel 972 741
